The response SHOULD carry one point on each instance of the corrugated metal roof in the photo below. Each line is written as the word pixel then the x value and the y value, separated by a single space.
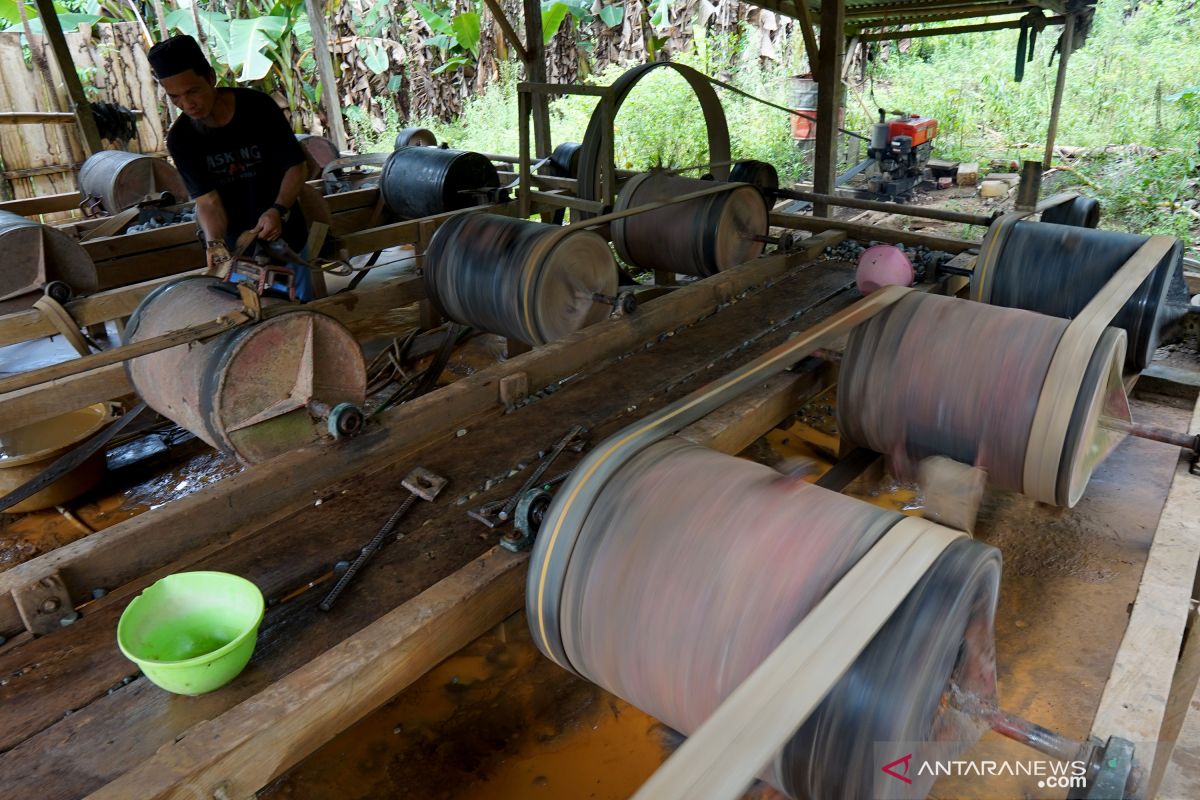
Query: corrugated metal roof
pixel 876 14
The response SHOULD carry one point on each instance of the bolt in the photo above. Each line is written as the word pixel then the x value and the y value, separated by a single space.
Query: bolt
pixel 51 604
pixel 68 619
pixel 98 593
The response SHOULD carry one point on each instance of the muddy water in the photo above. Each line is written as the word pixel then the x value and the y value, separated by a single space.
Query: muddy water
pixel 499 721
pixel 156 476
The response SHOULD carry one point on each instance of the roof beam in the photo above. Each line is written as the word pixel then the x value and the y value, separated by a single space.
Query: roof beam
pixel 883 36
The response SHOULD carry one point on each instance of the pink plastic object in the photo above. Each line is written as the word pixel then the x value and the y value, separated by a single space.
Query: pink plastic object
pixel 883 265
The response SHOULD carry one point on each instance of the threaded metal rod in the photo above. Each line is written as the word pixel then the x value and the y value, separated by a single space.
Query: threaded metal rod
pixel 369 549
pixel 532 480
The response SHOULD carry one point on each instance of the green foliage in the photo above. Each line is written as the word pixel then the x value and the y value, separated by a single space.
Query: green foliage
pixel 553 14
pixel 1133 82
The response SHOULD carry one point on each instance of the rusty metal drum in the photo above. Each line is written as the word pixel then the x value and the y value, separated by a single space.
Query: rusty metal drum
pixel 119 179
pixel 415 137
pixel 691 566
pixel 700 237
pixel 318 152
pixel 525 280
pixel 251 392
pixel 35 255
pixel 935 375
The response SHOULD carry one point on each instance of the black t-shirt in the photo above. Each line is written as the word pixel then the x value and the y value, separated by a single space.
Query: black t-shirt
pixel 243 161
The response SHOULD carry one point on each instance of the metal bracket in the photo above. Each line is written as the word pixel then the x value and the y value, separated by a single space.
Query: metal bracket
pixel 44 605
pixel 424 484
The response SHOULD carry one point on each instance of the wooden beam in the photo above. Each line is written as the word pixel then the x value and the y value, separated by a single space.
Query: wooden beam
pixel 506 28
pixel 283 485
pixel 805 20
pixel 829 100
pixel 868 233
pixel 350 680
pixel 397 233
pixel 1134 702
pixel 329 87
pixel 47 204
pixel 535 72
pixel 1060 83
pixel 908 12
pixel 89 133
pixel 885 36
pixel 44 117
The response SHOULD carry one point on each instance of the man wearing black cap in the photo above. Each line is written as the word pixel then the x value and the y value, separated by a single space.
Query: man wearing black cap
pixel 237 154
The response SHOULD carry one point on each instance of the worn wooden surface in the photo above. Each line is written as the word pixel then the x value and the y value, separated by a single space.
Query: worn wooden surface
pixel 440 539
pixel 1134 702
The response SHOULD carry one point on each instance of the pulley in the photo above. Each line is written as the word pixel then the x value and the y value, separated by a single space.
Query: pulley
pixel 699 237
pixel 37 259
pixel 423 181
pixel 525 280
pixel 933 375
pixel 689 567
pixel 1057 269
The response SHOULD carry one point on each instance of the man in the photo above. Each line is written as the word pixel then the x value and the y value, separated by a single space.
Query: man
pixel 238 157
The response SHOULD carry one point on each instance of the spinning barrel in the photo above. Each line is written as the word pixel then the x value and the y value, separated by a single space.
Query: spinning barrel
pixel 1083 212
pixel 119 179
pixel 423 181
pixel 700 237
pixel 521 279
pixel 690 567
pixel 247 391
pixel 36 254
pixel 415 137
pixel 932 375
pixel 318 153
pixel 1058 269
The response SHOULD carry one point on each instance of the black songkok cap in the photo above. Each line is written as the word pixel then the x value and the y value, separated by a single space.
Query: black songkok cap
pixel 177 54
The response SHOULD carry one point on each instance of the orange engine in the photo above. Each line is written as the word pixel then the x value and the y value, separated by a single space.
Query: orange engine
pixel 921 129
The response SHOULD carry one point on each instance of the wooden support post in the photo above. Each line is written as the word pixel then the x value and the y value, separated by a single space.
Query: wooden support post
pixel 317 232
pixel 804 17
pixel 524 109
pixel 89 133
pixel 506 28
pixel 829 99
pixel 1059 84
pixel 329 91
pixel 535 72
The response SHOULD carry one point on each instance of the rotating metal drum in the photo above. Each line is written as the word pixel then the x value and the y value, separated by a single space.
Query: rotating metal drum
pixel 564 161
pixel 247 392
pixel 700 237
pixel 120 180
pixel 691 567
pixel 1082 212
pixel 756 173
pixel 318 153
pixel 1058 269
pixel 423 181
pixel 933 375
pixel 521 279
pixel 36 255
pixel 415 137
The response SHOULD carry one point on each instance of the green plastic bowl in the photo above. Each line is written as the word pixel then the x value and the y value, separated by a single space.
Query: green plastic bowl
pixel 192 632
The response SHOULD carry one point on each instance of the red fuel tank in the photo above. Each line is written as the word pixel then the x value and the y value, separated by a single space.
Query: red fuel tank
pixel 921 129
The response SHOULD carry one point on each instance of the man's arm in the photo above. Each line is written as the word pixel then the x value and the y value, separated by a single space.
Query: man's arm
pixel 210 213
pixel 270 224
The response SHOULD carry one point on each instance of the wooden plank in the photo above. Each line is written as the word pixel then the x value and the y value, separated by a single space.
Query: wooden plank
pixel 36 206
pixel 407 232
pixel 1060 83
pixel 44 117
pixel 829 99
pixel 108 248
pixel 361 673
pixel 356 198
pixel 153 264
pixel 1134 702
pixel 863 232
pixel 116 555
pixel 1179 778
pixel 41 402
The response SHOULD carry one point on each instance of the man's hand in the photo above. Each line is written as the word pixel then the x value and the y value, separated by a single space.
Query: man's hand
pixel 270 225
pixel 219 260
